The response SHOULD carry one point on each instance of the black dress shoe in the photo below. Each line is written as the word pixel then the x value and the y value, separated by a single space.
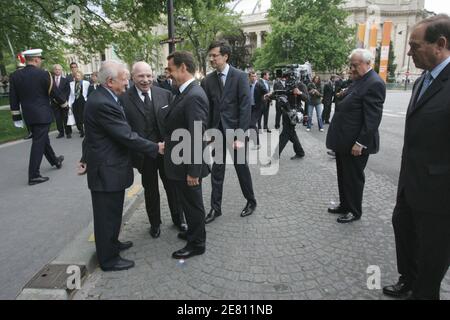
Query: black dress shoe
pixel 155 232
pixel 349 217
pixel 398 290
pixel 212 215
pixel 269 131
pixel 69 136
pixel 119 265
pixel 248 210
pixel 59 162
pixel 337 210
pixel 59 136
pixel 187 252
pixel 82 135
pixel 298 157
pixel 37 180
pixel 125 245
pixel 182 236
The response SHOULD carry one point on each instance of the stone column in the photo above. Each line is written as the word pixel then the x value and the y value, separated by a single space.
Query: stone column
pixel 258 39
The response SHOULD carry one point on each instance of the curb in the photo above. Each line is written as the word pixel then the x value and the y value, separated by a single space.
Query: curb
pixel 79 252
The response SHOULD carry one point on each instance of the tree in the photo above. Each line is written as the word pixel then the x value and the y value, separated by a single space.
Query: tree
pixel 319 32
pixel 392 67
pixel 201 23
pixel 240 57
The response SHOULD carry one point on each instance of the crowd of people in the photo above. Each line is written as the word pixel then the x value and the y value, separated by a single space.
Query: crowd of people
pixel 131 124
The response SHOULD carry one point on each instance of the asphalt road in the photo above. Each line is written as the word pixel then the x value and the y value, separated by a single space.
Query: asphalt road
pixel 36 222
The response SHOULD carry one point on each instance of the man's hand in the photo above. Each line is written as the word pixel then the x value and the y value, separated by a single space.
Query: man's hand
pixel 297 92
pixel 193 182
pixel 357 150
pixel 162 147
pixel 18 124
pixel 238 145
pixel 81 168
pixel 267 96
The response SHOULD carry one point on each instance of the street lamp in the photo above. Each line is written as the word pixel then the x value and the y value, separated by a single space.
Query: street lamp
pixel 288 45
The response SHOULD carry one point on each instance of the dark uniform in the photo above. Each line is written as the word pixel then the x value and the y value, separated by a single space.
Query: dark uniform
pixel 32 88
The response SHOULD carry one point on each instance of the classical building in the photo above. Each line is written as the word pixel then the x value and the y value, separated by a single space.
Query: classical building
pixel 403 13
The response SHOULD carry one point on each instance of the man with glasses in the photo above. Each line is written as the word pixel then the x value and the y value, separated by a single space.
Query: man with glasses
pixel 353 133
pixel 228 92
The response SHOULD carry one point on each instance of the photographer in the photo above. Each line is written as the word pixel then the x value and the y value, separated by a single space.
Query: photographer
pixel 315 92
pixel 290 104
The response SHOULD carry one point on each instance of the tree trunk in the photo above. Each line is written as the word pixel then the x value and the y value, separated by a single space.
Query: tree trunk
pixel 2 64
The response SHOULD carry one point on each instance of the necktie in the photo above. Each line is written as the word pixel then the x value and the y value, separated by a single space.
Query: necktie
pixel 147 99
pixel 426 84
pixel 222 78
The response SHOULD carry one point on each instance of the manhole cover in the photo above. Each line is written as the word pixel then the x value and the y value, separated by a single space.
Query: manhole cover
pixel 53 276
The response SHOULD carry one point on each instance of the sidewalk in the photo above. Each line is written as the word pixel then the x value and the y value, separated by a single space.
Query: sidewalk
pixel 291 248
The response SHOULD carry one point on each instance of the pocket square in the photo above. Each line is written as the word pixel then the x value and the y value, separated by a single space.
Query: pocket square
pixel 165 106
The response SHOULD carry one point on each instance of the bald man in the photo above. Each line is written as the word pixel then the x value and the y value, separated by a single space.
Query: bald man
pixel 145 106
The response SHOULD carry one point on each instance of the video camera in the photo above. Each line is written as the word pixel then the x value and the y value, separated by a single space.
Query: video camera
pixel 289 104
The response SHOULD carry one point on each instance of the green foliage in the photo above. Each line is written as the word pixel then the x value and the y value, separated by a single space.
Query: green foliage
pixel 201 23
pixel 319 31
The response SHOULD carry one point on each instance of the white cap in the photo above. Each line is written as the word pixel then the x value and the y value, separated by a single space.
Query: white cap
pixel 33 53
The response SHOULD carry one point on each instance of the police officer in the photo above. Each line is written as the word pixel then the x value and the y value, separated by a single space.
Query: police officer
pixel 32 88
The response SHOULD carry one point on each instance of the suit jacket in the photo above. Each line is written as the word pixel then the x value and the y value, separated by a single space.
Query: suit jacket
pixel 229 106
pixel 92 89
pixel 425 169
pixel 328 93
pixel 84 91
pixel 359 116
pixel 188 107
pixel 108 142
pixel 64 89
pixel 135 113
pixel 29 88
pixel 166 85
pixel 260 91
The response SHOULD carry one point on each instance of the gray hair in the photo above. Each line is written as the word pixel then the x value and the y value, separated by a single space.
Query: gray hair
pixel 57 66
pixel 110 70
pixel 140 64
pixel 366 55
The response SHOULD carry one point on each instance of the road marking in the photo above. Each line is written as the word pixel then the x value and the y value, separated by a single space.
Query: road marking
pixel 393 115
pixel 133 191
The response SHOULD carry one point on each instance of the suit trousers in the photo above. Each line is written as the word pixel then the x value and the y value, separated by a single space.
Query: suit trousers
pixel 108 209
pixel 326 112
pixel 422 240
pixel 218 177
pixel 150 182
pixel 265 115
pixel 255 123
pixel 61 115
pixel 78 110
pixel 40 147
pixel 191 199
pixel 351 180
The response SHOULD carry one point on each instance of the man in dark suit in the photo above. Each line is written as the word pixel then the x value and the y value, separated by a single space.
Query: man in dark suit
pixel 106 150
pixel 189 113
pixel 228 93
pixel 168 82
pixel 328 95
pixel 257 102
pixel 94 83
pixel 265 78
pixel 32 88
pixel 421 217
pixel 353 133
pixel 145 106
pixel 61 111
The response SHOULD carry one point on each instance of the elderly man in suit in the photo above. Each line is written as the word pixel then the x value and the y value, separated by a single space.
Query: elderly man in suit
pixel 421 216
pixel 188 113
pixel 61 110
pixel 32 88
pixel 106 150
pixel 228 93
pixel 257 93
pixel 353 133
pixel 145 106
